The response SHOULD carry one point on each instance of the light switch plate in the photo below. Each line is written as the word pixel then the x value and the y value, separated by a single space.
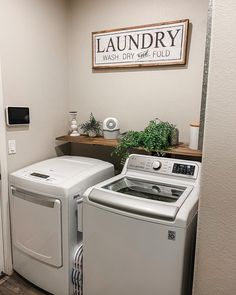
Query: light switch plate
pixel 11 146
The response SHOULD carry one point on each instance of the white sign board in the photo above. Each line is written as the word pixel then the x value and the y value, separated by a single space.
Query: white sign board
pixel 149 45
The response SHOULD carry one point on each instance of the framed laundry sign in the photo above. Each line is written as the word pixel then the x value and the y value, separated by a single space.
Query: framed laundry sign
pixel 141 46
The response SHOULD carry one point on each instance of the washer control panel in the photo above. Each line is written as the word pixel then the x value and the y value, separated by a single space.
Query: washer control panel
pixel 163 166
pixel 183 169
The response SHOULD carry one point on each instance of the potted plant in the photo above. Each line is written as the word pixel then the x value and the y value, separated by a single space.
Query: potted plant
pixel 157 136
pixel 92 127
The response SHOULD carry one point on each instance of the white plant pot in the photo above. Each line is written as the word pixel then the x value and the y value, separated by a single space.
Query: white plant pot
pixel 92 133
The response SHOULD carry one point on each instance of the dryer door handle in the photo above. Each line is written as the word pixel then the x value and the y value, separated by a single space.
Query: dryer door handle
pixel 79 216
pixel 79 201
pixel 33 197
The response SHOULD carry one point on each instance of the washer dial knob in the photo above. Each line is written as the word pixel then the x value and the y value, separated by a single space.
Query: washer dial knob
pixel 156 165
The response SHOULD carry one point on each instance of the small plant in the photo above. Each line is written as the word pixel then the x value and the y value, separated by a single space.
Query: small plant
pixel 131 139
pixel 92 127
pixel 157 136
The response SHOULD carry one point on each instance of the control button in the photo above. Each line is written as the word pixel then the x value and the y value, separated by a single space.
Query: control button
pixel 156 165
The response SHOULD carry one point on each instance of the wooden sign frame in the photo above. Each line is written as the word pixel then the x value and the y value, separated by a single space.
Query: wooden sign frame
pixel 150 45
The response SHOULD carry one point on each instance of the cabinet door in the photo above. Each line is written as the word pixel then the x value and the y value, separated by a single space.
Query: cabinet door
pixel 36 226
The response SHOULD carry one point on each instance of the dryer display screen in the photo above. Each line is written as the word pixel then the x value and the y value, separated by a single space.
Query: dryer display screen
pixel 40 175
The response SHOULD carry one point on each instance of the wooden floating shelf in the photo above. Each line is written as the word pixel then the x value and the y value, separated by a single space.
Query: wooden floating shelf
pixel 181 149
pixel 84 139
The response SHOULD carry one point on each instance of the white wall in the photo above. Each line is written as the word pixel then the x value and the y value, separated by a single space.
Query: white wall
pixel 216 244
pixel 33 49
pixel 136 96
pixel 5 250
pixel 33 45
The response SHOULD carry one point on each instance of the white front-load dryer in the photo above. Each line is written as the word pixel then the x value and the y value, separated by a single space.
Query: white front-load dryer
pixel 43 208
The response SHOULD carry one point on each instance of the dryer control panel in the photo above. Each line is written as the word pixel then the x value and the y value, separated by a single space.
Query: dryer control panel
pixel 39 176
pixel 167 166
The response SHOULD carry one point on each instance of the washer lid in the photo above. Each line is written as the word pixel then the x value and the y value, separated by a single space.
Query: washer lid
pixel 151 199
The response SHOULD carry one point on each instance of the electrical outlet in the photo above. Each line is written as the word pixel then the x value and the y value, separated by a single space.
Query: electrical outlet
pixel 11 146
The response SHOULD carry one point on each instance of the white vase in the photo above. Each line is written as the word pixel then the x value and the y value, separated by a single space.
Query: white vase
pixel 73 124
pixel 194 133
pixel 92 133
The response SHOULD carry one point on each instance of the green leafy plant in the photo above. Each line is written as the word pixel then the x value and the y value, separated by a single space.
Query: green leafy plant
pixel 156 136
pixel 92 127
pixel 131 139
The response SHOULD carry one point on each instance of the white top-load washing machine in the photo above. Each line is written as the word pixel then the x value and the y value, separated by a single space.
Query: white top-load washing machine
pixel 139 229
pixel 43 205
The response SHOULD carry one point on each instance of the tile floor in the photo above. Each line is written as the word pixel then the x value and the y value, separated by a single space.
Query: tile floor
pixel 17 285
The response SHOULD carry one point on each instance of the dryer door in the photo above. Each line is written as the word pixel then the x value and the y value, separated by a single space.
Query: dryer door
pixel 36 226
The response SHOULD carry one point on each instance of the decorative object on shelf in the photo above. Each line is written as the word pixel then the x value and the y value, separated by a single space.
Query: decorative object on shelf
pixel 155 137
pixel 111 128
pixel 92 127
pixel 73 124
pixel 174 139
pixel 141 46
pixel 194 132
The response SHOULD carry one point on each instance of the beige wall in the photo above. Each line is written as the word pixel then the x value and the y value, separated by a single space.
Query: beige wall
pixel 216 245
pixel 34 63
pixel 136 96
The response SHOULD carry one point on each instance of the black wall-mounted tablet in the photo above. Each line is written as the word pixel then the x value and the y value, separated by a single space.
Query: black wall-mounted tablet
pixel 17 116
